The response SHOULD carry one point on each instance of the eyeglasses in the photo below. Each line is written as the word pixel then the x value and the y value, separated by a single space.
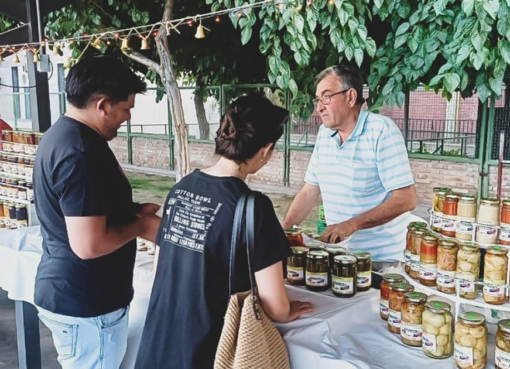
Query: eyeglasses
pixel 326 99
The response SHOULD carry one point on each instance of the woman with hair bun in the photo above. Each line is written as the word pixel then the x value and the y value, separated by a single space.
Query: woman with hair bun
pixel 191 288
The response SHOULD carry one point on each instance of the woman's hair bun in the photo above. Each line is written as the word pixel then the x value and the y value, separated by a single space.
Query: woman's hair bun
pixel 227 129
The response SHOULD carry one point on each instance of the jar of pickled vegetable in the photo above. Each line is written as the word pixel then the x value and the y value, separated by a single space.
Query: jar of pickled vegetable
pixel 450 205
pixel 388 280
pixel 317 270
pixel 364 279
pixel 464 230
pixel 412 310
pixel 486 234
pixel 294 236
pixel 494 275
pixel 397 291
pixel 437 325
pixel 343 276
pixel 502 360
pixel 466 209
pixel 438 200
pixel 446 266
pixel 468 268
pixel 470 341
pixel 296 266
pixel 415 254
pixel 505 213
pixel 488 213
pixel 428 261
pixel 334 251
pixel 409 247
pixel 436 223
pixel 504 236
pixel 449 227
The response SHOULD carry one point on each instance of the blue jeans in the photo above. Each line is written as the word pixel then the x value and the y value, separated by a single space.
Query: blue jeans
pixel 88 343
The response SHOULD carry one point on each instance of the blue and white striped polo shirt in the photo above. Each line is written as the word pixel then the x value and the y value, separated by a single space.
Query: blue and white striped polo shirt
pixel 357 176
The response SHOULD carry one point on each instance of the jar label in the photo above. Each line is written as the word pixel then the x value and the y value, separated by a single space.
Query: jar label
pixel 464 227
pixel 317 279
pixel 22 195
pixel 445 278
pixel 411 332
pixel 448 225
pixel 343 286
pixel 407 257
pixel 494 288
pixel 295 274
pixel 504 234
pixel 428 271
pixel 364 279
pixel 429 341
pixel 502 359
pixel 463 355
pixel 384 307
pixel 437 223
pixel 466 282
pixel 485 234
pixel 415 263
pixel 394 318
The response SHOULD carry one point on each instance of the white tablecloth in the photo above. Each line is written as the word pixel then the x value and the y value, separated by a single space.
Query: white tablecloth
pixel 341 333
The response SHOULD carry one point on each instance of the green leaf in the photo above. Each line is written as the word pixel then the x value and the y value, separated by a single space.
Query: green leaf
pixel 476 41
pixel 400 40
pixel 401 98
pixel 477 59
pixel 412 43
pixel 297 58
pixel 362 32
pixel 293 87
pixel 434 81
pixel 273 64
pixel 496 85
pixel 468 6
pixel 370 47
pixel 378 3
pixel 299 22
pixel 482 88
pixel 491 7
pixel 343 16
pixel 388 87
pixel 349 8
pixel 463 54
pixel 349 53
pixel 451 81
pixel 464 81
pixel 402 29
pixel 504 48
pixel 439 6
pixel 358 56
pixel 246 35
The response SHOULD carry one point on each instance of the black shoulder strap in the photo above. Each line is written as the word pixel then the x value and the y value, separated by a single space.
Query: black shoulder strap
pixel 236 238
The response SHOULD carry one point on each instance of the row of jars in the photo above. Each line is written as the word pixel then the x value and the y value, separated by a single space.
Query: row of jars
pixel 13 215
pixel 16 169
pixel 320 268
pixel 25 137
pixel 17 189
pixel 20 148
pixel 17 159
pixel 454 206
pixel 429 324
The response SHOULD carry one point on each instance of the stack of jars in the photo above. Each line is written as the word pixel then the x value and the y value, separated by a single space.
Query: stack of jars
pixel 12 215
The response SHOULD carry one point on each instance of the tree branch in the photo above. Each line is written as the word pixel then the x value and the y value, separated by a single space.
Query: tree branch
pixel 142 59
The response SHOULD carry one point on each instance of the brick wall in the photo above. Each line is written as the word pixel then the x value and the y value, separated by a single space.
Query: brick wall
pixel 154 153
pixel 505 182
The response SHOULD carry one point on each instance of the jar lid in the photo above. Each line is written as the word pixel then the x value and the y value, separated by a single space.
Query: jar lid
pixel 293 231
pixel 506 202
pixel 452 196
pixel 469 246
pixel 441 189
pixel 504 325
pixel 361 255
pixel 393 277
pixel 419 224
pixel 490 201
pixel 429 238
pixel 417 297
pixel 438 306
pixel 345 259
pixel 402 287
pixel 317 254
pixel 419 231
pixel 448 244
pixel 468 198
pixel 497 250
pixel 299 250
pixel 442 192
pixel 471 318
pixel 336 250
pixel 20 206
pixel 314 245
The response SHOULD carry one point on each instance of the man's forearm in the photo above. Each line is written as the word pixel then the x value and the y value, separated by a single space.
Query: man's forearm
pixel 301 206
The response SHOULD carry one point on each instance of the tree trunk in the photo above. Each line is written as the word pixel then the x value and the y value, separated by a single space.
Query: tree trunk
pixel 203 124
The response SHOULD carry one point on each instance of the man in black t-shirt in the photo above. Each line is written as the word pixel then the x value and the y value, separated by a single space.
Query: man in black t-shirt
pixel 88 220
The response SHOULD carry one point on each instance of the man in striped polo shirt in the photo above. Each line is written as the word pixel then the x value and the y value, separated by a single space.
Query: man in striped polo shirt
pixel 360 167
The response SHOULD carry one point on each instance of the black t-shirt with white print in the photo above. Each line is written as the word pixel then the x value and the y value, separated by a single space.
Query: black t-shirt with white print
pixel 190 293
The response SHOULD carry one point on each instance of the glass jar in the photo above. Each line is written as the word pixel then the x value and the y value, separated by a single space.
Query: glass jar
pixel 494 275
pixel 486 234
pixel 446 266
pixel 436 223
pixel 466 208
pixel 296 265
pixel 504 236
pixel 505 213
pixel 317 270
pixel 334 251
pixel 489 212
pixel 407 253
pixel 412 310
pixel 1 209
pixel 294 236
pixel 468 268
pixel 343 275
pixel 397 291
pixel 364 274
pixel 502 359
pixel 314 246
pixel 30 191
pixel 450 205
pixel 470 341
pixel 437 325
pixel 428 261
pixel 464 230
pixel 438 201
pixel 388 280
pixel 449 227
pixel 415 254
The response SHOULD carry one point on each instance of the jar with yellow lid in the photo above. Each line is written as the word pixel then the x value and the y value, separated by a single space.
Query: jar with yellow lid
pixel 334 251
pixel 364 273
pixel 437 325
pixel 296 266
pixel 488 213
pixel 470 341
pixel 502 359
pixel 344 275
pixel 317 270
pixel 468 268
pixel 388 280
pixel 446 266
pixel 417 236
pixel 412 310
pixel 494 275
pixel 397 291
pixel 466 209
pixel 438 199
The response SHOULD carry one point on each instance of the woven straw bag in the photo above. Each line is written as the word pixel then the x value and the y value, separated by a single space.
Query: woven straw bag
pixel 248 339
